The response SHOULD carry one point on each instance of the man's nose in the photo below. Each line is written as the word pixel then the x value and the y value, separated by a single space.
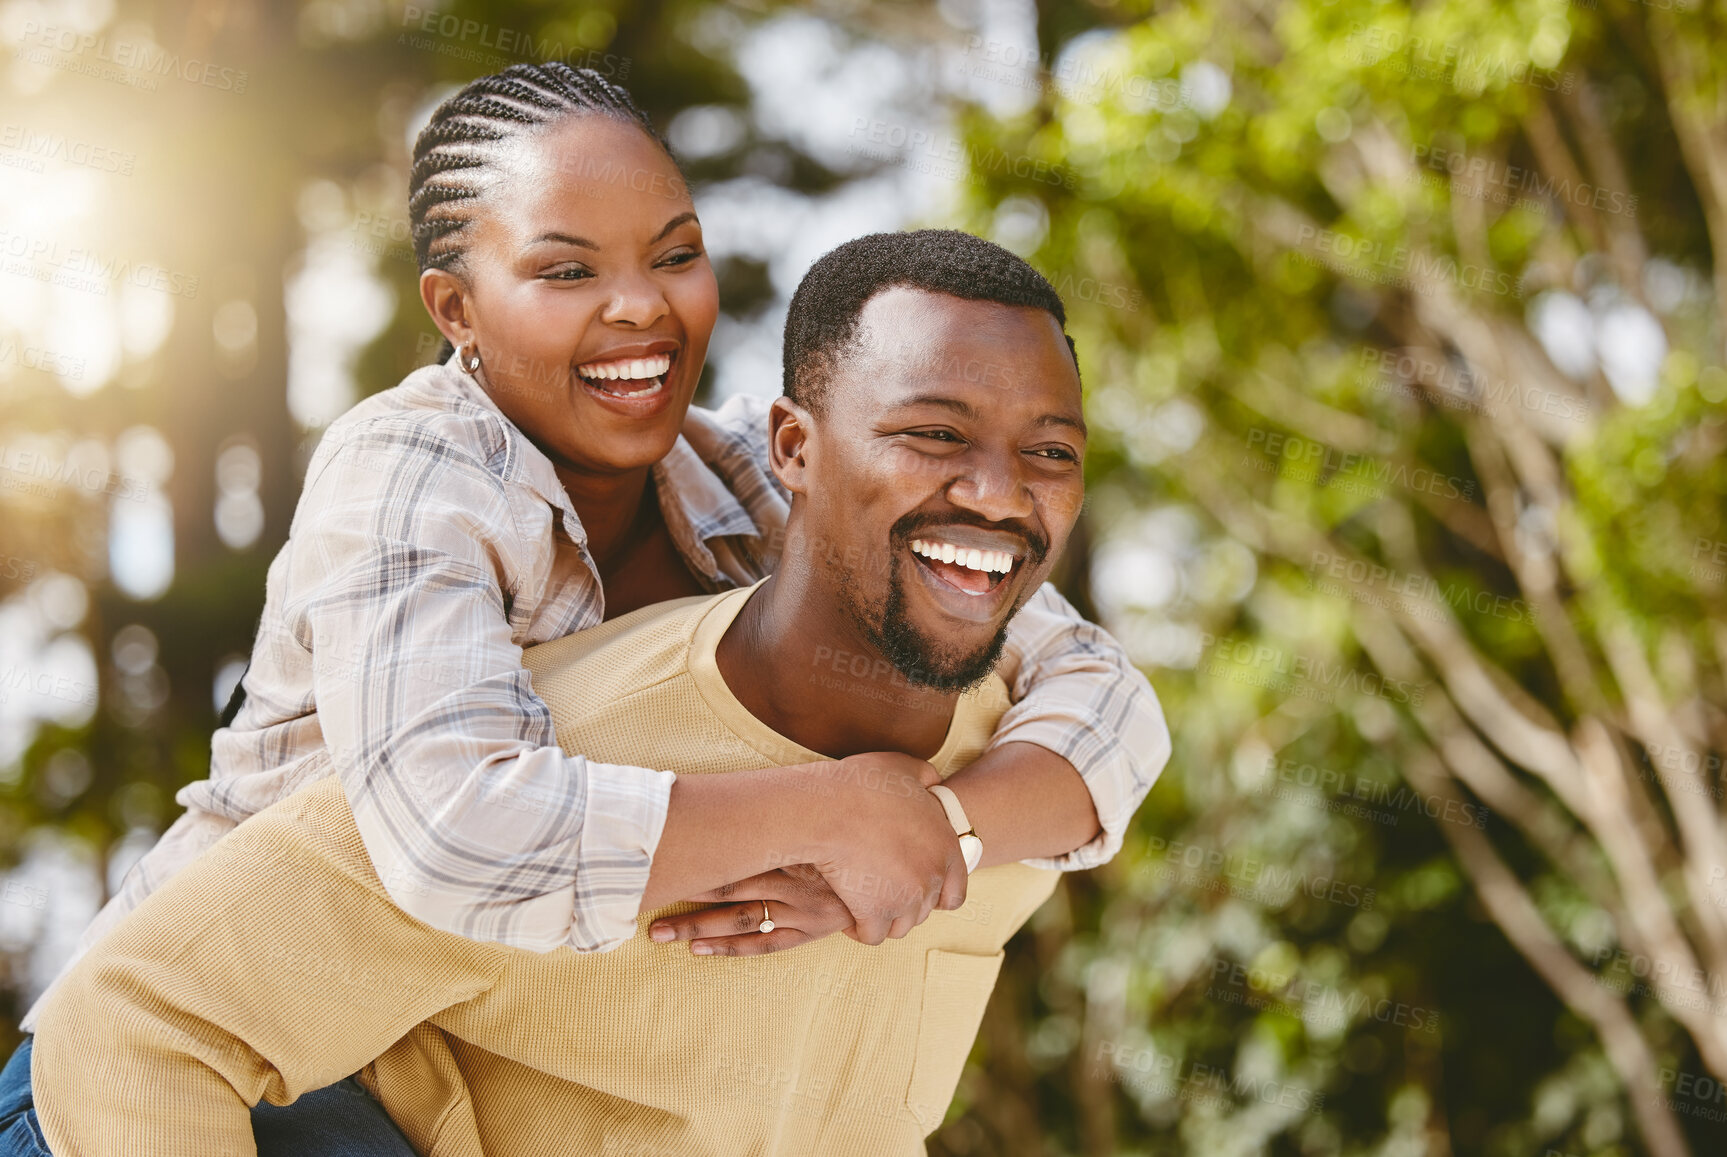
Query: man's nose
pixel 993 486
pixel 636 301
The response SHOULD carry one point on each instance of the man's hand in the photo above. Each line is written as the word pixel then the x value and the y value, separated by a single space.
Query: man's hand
pixel 885 846
pixel 800 903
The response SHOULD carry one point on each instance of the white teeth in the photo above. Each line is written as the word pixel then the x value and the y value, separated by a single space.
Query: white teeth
pixel 984 560
pixel 630 369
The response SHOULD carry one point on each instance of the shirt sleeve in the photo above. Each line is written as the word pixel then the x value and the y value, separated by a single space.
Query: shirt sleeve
pixel 1076 693
pixel 408 560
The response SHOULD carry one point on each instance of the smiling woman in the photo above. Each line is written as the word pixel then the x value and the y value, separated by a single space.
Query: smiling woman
pixel 570 291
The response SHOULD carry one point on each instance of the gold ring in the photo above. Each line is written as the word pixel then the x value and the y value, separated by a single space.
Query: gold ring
pixel 767 923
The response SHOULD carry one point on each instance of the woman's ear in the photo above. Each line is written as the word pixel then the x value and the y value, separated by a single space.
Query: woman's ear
pixel 446 299
pixel 789 443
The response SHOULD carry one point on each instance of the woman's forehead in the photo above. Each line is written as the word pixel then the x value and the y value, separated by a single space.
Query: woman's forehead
pixel 584 146
pixel 587 175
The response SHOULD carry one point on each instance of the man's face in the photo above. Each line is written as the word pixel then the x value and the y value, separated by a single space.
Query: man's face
pixel 945 476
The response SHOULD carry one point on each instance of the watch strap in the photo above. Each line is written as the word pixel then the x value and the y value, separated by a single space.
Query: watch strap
pixel 971 844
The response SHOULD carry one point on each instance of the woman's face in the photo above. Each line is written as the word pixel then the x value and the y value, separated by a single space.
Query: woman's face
pixel 587 294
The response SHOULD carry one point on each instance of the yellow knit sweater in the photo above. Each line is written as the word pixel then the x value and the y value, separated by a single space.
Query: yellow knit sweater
pixel 277 964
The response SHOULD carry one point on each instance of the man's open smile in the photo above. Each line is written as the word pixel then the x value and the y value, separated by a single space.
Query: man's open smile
pixel 971 573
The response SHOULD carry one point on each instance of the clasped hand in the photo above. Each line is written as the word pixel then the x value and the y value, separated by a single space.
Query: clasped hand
pixel 892 859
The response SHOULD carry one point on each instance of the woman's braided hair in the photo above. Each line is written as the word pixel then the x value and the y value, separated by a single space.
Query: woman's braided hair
pixel 456 153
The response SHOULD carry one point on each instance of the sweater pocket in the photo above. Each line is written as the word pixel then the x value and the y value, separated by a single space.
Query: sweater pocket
pixel 956 988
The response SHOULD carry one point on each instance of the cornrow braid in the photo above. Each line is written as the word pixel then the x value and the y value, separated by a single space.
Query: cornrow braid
pixel 459 148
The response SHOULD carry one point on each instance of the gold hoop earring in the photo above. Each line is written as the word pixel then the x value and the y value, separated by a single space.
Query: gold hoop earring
pixel 467 367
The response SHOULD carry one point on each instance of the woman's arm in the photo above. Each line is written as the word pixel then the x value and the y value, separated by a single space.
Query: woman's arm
pixel 477 822
pixel 1025 802
pixel 867 825
pixel 411 571
pixel 1082 703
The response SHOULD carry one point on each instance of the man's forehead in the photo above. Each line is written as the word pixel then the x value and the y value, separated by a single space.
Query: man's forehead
pixel 908 312
pixel 912 344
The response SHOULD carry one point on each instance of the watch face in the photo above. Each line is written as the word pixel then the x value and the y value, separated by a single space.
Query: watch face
pixel 972 848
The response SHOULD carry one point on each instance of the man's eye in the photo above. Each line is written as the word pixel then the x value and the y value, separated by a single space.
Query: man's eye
pixel 1059 453
pixel 938 435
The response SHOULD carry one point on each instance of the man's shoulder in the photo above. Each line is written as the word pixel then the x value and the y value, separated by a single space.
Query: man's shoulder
pixel 619 657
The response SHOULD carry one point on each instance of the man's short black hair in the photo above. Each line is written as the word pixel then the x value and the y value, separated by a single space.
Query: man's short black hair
pixel 823 318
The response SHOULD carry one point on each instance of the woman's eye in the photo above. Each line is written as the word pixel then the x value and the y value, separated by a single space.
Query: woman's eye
pixel 681 257
pixel 574 274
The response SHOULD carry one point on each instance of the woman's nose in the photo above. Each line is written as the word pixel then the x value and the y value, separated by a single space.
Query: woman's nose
pixel 636 301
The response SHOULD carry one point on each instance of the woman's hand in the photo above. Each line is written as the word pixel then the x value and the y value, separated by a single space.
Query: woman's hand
pixel 801 904
pixel 886 847
pixel 867 824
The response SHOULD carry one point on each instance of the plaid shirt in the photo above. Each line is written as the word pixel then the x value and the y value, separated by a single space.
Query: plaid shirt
pixel 432 543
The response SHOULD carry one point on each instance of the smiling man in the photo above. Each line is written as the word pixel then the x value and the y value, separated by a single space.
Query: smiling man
pixel 931 439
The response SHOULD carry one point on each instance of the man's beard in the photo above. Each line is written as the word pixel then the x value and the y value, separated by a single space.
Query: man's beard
pixel 921 660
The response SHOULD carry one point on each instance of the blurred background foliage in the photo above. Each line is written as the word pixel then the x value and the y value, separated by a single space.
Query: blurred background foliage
pixel 1402 333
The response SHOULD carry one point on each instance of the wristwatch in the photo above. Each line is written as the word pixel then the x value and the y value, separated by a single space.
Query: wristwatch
pixel 970 846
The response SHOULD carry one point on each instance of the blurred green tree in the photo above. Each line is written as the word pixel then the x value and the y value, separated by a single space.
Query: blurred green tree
pixel 1416 305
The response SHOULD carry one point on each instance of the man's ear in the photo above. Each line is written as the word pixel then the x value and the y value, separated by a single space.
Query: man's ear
pixel 789 430
pixel 446 299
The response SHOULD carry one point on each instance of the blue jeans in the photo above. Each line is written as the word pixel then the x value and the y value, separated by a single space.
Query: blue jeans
pixel 339 1121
